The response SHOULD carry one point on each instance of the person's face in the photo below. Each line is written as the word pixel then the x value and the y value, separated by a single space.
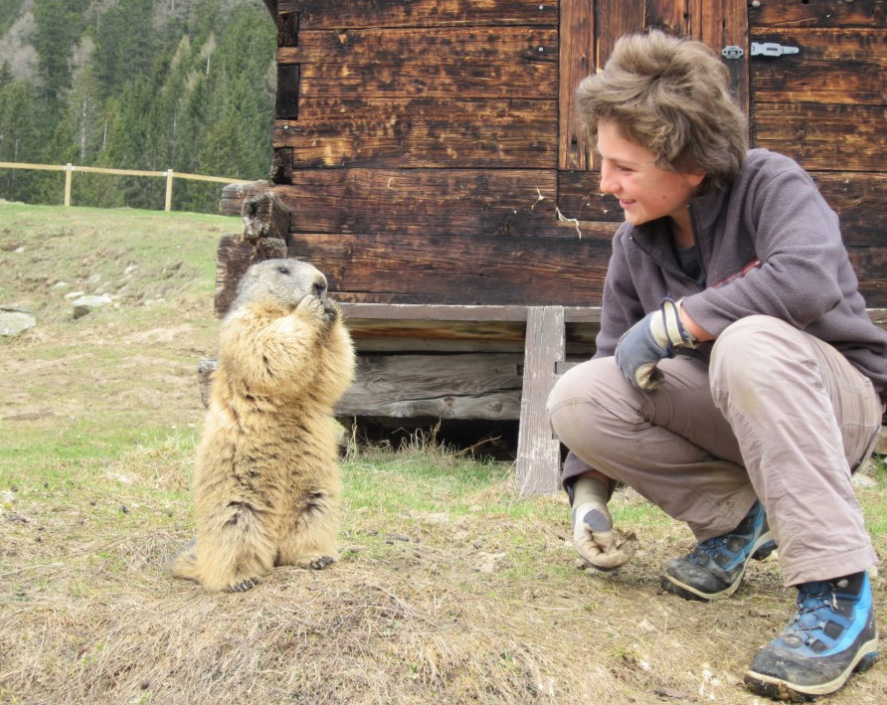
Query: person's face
pixel 645 192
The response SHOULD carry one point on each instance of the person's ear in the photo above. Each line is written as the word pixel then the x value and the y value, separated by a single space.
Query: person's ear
pixel 694 179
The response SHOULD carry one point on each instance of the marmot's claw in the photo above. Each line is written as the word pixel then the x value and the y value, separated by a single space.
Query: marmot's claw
pixel 243 586
pixel 321 563
pixel 330 309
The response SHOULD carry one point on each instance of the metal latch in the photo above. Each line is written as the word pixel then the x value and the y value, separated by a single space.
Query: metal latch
pixel 772 49
pixel 733 52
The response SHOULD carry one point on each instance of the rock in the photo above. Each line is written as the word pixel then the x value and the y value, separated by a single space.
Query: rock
pixel 88 303
pixel 14 320
pixel 865 481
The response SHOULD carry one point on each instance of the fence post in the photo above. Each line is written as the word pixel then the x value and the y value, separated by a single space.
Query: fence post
pixel 168 205
pixel 69 169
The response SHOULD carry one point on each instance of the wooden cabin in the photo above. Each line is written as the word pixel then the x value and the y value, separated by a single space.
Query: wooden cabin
pixel 425 158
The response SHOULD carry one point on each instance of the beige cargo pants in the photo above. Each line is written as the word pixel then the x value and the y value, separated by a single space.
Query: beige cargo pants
pixel 777 414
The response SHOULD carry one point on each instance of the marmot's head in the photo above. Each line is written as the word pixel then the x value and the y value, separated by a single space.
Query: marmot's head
pixel 280 282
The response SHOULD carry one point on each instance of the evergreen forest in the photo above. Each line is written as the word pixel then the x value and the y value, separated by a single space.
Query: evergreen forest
pixel 135 84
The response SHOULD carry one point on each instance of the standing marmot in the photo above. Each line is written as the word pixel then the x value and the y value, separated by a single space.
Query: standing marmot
pixel 266 481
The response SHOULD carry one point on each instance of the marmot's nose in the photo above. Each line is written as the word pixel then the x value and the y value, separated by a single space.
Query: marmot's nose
pixel 319 287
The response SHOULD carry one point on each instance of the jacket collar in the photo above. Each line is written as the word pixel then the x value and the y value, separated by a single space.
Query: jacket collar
pixel 655 237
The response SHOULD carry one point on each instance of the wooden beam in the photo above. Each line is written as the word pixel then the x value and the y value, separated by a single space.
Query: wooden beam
pixel 378 131
pixel 576 56
pixel 347 14
pixel 460 386
pixel 538 451
pixel 451 62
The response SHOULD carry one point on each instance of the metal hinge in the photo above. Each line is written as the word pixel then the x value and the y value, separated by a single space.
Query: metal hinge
pixel 733 52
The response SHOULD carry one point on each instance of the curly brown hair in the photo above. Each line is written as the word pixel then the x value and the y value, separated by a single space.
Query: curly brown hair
pixel 670 95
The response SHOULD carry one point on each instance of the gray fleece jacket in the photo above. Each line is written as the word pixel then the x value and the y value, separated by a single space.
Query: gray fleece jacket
pixel 773 221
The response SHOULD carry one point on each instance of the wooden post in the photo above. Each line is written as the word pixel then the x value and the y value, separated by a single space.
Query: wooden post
pixel 168 205
pixel 69 169
pixel 576 58
pixel 538 451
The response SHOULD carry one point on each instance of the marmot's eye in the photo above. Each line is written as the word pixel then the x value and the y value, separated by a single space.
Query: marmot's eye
pixel 283 270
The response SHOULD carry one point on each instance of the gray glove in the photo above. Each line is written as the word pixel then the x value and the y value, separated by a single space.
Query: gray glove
pixel 650 340
pixel 593 534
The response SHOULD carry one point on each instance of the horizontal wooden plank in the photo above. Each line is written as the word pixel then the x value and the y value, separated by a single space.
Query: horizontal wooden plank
pixel 471 386
pixel 459 269
pixel 501 62
pixel 831 66
pixel 822 13
pixel 823 137
pixel 870 264
pixel 421 132
pixel 429 201
pixel 860 199
pixel 402 327
pixel 421 315
pixel 492 202
pixel 338 14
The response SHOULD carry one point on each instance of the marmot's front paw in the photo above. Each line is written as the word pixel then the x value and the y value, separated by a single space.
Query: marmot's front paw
pixel 331 310
pixel 312 307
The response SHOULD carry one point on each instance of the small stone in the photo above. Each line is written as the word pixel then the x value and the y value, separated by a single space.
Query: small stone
pixel 86 304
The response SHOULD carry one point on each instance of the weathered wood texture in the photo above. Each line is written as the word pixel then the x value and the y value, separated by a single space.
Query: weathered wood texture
pixel 339 14
pixel 420 132
pixel 437 327
pixel 576 61
pixel 826 106
pixel 538 451
pixel 265 234
pixel 822 13
pixel 472 62
pixel 459 269
pixel 469 386
pixel 442 236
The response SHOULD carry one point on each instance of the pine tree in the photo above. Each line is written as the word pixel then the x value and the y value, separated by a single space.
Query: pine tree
pixel 60 24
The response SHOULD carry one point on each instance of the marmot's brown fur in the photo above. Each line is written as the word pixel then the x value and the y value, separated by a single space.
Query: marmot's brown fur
pixel 266 481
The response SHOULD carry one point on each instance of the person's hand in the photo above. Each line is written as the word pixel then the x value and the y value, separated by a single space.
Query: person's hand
pixel 650 340
pixel 594 537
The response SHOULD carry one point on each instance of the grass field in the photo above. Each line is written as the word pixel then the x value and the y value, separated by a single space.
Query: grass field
pixel 451 589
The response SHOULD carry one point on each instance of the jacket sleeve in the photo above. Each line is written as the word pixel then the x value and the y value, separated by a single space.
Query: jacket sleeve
pixel 803 260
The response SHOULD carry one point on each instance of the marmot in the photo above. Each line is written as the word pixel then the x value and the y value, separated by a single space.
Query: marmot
pixel 266 480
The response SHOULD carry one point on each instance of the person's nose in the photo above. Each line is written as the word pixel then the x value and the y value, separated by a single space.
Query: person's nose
pixel 609 183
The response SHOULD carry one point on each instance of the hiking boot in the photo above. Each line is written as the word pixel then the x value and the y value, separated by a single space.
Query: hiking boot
pixel 714 569
pixel 831 636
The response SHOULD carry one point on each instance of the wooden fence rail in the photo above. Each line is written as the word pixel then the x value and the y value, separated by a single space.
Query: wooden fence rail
pixel 69 170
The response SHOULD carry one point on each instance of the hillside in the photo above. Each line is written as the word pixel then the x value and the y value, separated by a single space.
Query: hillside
pixel 135 84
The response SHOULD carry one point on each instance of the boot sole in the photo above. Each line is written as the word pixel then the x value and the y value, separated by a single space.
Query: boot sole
pixel 779 689
pixel 688 592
